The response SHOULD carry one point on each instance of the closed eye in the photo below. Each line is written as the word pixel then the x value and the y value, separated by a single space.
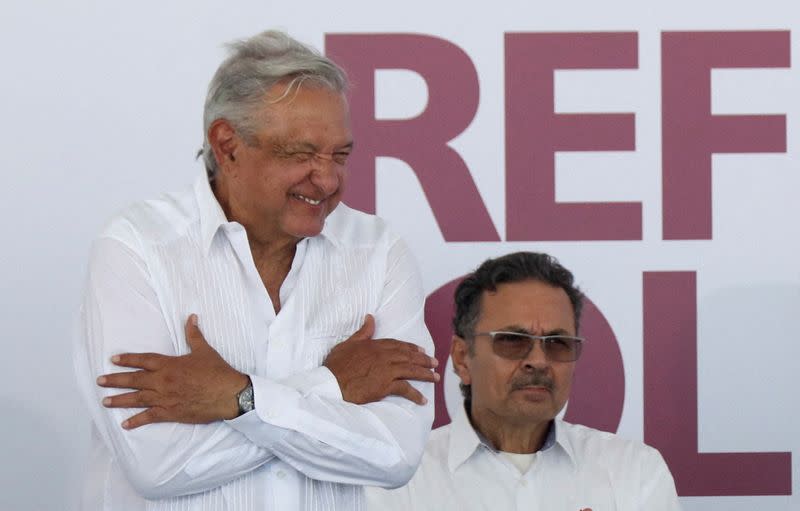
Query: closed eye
pixel 340 158
pixel 301 156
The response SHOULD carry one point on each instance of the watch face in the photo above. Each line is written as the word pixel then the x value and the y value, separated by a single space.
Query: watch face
pixel 246 400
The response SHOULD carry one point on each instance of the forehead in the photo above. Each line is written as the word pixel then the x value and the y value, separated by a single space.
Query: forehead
pixel 530 304
pixel 308 111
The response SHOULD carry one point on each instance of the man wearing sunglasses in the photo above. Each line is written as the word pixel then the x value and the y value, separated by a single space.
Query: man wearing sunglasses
pixel 515 349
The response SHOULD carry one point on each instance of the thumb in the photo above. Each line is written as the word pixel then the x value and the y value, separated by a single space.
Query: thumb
pixel 367 330
pixel 194 337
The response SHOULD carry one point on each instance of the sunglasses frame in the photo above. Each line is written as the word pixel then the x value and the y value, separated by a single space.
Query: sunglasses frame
pixel 546 341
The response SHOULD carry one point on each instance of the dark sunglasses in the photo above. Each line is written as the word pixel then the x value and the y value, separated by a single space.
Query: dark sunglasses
pixel 518 345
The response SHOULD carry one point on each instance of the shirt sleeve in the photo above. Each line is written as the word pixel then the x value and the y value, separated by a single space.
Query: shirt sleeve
pixel 327 438
pixel 658 487
pixel 398 499
pixel 121 313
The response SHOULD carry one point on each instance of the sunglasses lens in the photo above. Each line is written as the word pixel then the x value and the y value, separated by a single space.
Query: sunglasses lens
pixel 516 346
pixel 510 345
pixel 562 349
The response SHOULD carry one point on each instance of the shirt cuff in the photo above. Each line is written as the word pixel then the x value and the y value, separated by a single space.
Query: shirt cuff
pixel 319 381
pixel 276 403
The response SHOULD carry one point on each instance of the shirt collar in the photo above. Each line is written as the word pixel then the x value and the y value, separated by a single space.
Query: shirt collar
pixel 329 231
pixel 211 214
pixel 212 217
pixel 562 439
pixel 465 440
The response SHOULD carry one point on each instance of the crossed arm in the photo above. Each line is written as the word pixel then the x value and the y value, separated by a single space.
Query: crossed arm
pixel 359 436
pixel 201 387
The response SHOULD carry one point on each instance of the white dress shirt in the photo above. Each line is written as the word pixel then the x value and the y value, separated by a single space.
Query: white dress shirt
pixel 303 447
pixel 578 468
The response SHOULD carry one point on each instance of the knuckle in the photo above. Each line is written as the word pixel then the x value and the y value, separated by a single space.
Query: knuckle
pixel 418 373
pixel 395 372
pixel 147 398
pixel 130 381
pixel 390 344
pixel 394 389
pixel 404 387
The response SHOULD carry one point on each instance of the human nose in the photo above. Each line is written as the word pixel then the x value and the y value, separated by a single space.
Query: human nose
pixel 325 173
pixel 537 357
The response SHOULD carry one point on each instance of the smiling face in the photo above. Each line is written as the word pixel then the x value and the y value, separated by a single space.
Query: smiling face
pixel 517 392
pixel 285 182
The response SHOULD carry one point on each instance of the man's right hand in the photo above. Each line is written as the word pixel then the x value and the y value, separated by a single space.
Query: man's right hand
pixel 370 369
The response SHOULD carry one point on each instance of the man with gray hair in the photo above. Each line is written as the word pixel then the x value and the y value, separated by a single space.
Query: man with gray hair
pixel 271 339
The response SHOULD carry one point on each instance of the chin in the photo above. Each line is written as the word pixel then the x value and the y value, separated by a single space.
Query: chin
pixel 307 230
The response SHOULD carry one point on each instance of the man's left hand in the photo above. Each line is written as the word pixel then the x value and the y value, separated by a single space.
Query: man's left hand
pixel 196 388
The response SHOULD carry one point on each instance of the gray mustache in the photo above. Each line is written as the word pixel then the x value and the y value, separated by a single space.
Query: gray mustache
pixel 537 379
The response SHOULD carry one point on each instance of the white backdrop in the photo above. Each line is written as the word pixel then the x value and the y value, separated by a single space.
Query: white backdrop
pixel 102 106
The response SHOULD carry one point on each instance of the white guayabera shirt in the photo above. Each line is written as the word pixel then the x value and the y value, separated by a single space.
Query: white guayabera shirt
pixel 303 447
pixel 578 468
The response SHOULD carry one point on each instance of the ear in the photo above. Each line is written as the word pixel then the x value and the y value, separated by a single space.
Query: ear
pixel 224 141
pixel 459 353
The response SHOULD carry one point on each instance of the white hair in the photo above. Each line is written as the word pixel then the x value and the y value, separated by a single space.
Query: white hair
pixel 237 90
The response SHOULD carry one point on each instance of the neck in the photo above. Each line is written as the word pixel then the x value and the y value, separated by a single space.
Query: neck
pixel 273 253
pixel 523 438
pixel 276 254
pixel 266 241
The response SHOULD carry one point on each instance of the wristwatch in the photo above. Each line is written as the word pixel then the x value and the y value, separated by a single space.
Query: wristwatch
pixel 246 399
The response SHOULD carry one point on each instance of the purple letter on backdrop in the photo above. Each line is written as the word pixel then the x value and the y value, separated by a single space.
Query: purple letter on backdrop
pixel 670 400
pixel 690 134
pixel 598 390
pixel 421 142
pixel 534 133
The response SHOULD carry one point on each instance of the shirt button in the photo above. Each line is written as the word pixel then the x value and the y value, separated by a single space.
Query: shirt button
pixel 281 474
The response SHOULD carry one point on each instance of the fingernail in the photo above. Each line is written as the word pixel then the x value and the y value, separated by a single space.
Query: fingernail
pixel 106 401
pixel 115 358
pixel 101 380
pixel 421 349
pixel 126 424
pixel 424 400
pixel 437 376
pixel 193 319
pixel 434 362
